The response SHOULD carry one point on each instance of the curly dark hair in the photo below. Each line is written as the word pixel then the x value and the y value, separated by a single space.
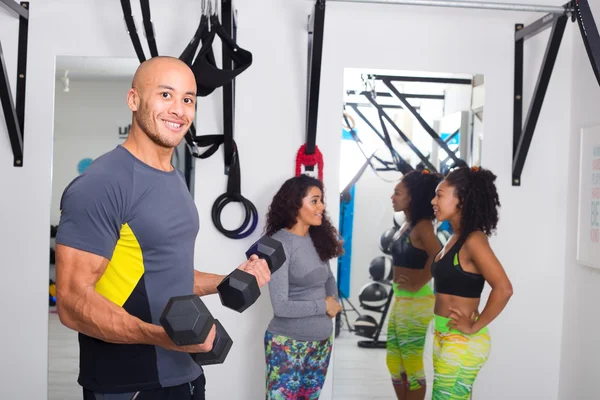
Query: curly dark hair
pixel 477 199
pixel 421 187
pixel 283 212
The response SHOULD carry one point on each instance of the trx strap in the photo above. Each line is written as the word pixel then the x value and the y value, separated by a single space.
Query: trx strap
pixel 208 78
pixel 388 141
pixel 309 154
pixel 132 30
pixel 148 27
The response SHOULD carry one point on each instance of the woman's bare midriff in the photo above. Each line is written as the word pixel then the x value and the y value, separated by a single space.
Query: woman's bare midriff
pixel 409 279
pixel 465 305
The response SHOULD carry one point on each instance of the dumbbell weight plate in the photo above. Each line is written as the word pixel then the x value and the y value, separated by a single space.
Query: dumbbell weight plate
pixel 186 320
pixel 269 249
pixel 239 290
pixel 221 347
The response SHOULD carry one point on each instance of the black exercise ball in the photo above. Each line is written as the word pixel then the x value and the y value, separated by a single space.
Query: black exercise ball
pixel 381 269
pixel 365 326
pixel 385 242
pixel 373 295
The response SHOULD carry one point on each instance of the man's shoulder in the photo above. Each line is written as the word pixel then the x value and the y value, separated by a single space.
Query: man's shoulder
pixel 113 167
pixel 111 171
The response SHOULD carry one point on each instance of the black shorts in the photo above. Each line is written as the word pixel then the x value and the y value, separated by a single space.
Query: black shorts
pixel 194 390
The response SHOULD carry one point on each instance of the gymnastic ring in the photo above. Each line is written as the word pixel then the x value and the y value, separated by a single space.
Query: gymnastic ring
pixel 251 215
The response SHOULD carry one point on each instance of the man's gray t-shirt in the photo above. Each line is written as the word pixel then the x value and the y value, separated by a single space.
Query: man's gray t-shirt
pixel 298 290
pixel 145 222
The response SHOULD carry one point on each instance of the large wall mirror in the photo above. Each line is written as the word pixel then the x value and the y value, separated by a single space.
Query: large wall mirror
pixel 392 122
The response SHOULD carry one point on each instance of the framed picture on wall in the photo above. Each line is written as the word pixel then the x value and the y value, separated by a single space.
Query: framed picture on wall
pixel 588 224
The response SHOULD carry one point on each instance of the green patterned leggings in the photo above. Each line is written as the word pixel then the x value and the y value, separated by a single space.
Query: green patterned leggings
pixel 407 327
pixel 457 359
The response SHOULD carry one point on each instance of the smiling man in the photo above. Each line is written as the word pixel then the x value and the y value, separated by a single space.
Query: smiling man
pixel 125 246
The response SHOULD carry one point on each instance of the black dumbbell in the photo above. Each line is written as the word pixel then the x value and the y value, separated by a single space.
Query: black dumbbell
pixel 187 321
pixel 220 349
pixel 239 290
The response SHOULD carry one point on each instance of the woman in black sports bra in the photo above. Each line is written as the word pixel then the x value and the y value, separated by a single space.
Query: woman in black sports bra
pixel 412 309
pixel 468 199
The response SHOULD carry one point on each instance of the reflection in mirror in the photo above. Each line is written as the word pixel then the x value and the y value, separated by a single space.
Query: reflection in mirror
pixel 91 117
pixel 394 122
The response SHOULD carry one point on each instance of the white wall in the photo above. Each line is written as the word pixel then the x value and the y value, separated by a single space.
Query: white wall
pixel 86 125
pixel 525 358
pixel 580 349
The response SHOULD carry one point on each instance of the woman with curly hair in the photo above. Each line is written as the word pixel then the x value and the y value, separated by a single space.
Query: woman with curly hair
pixel 412 310
pixel 468 199
pixel 303 291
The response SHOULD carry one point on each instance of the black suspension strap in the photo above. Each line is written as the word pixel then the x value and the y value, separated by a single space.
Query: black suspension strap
pixel 187 56
pixel 309 155
pixel 132 30
pixel 149 27
pixel 227 32
pixel 398 161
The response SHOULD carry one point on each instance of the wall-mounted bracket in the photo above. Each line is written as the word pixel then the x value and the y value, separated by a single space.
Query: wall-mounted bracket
pixel 14 111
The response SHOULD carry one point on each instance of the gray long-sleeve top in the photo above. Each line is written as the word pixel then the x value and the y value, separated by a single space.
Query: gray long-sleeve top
pixel 298 290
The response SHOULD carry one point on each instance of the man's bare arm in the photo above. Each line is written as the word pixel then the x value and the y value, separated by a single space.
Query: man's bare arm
pixel 84 310
pixel 205 283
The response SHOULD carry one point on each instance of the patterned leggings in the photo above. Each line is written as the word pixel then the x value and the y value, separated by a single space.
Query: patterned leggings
pixel 296 369
pixel 407 328
pixel 457 359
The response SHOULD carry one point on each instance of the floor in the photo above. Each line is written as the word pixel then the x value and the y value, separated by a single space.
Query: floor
pixel 358 374
pixel 63 366
pixel 361 374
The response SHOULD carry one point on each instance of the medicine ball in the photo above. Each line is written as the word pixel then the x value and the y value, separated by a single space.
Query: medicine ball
pixel 373 295
pixel 365 326
pixel 385 242
pixel 398 219
pixel 381 269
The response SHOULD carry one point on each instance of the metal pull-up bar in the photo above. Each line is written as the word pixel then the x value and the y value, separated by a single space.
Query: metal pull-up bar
pixel 467 4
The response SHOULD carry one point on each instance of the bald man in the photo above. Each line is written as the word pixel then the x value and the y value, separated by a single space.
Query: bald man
pixel 125 246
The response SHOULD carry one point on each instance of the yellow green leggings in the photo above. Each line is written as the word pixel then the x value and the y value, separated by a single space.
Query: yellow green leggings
pixel 409 318
pixel 457 359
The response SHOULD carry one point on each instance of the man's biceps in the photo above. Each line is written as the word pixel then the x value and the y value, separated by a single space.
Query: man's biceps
pixel 83 265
